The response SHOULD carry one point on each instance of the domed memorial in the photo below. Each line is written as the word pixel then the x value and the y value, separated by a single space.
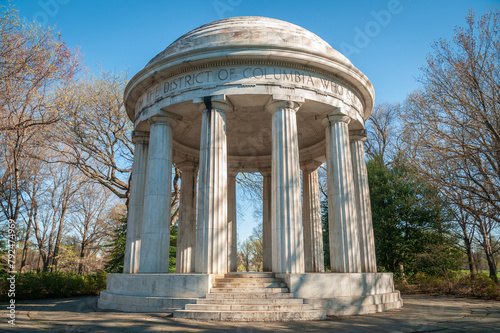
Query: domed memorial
pixel 250 94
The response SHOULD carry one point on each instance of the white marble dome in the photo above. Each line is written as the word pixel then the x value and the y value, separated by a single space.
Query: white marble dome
pixel 249 33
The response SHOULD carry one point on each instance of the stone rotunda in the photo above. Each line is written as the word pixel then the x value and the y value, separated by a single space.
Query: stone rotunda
pixel 250 94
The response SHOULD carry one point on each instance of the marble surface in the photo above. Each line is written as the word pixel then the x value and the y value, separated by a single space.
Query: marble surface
pixel 313 230
pixel 136 205
pixel 186 237
pixel 212 224
pixel 155 236
pixel 232 225
pixel 286 209
pixel 363 205
pixel 342 215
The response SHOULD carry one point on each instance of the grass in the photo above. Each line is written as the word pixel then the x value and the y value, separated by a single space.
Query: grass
pixel 484 271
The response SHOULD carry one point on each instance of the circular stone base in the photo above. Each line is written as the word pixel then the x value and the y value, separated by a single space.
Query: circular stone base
pixel 338 294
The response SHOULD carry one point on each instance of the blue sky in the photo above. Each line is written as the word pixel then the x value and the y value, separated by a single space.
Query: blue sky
pixel 386 39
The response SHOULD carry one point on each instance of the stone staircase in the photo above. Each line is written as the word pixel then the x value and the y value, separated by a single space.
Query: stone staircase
pixel 250 297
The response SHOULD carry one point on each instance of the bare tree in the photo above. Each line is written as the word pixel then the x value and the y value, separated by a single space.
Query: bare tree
pixel 35 189
pixel 176 196
pixel 96 134
pixel 36 67
pixel 251 252
pixel 65 184
pixel 90 219
pixel 383 132
pixel 452 125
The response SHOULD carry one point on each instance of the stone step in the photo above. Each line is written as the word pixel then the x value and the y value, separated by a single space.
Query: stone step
pixel 250 297
pixel 239 295
pixel 252 315
pixel 249 307
pixel 254 275
pixel 253 301
pixel 219 284
pixel 251 280
pixel 247 290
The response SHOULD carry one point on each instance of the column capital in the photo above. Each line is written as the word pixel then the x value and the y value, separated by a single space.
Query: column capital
pixel 359 135
pixel 336 116
pixel 311 165
pixel 140 137
pixel 164 117
pixel 219 102
pixel 187 166
pixel 277 104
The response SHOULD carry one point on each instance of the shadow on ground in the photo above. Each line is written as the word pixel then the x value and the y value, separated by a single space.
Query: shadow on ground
pixel 420 313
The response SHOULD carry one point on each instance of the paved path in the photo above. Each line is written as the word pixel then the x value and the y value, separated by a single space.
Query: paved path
pixel 420 313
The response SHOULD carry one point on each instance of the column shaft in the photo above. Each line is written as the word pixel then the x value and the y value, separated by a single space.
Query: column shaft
pixel 267 230
pixel 232 225
pixel 342 218
pixel 363 207
pixel 311 217
pixel 287 240
pixel 211 229
pixel 136 205
pixel 186 237
pixel 155 240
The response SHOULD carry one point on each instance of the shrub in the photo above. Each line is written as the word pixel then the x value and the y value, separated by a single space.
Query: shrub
pixel 432 284
pixel 460 284
pixel 38 285
pixel 480 286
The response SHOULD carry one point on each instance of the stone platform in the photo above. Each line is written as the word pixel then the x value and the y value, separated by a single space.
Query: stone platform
pixel 154 292
pixel 218 297
pixel 344 294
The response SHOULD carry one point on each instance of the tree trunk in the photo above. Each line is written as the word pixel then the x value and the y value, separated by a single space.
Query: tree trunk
pixel 17 177
pixel 488 251
pixel 25 248
pixel 58 239
pixel 48 261
pixel 491 261
pixel 39 240
pixel 174 211
pixel 82 256
pixel 470 258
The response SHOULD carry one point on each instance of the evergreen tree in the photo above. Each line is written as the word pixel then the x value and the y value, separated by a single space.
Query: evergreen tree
pixel 173 249
pixel 117 252
pixel 326 239
pixel 410 222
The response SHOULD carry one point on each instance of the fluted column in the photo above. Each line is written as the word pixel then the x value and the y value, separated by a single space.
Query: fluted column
pixel 267 230
pixel 155 239
pixel 342 218
pixel 311 218
pixel 211 228
pixel 287 240
pixel 136 203
pixel 232 225
pixel 363 207
pixel 186 235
